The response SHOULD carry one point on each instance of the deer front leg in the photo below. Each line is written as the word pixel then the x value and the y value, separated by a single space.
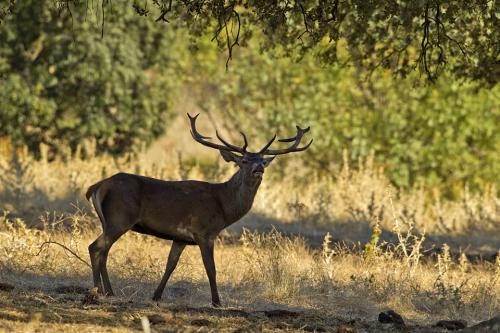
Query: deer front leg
pixel 173 258
pixel 207 254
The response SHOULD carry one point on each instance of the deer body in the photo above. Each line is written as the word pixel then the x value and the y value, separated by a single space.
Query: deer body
pixel 187 212
pixel 175 210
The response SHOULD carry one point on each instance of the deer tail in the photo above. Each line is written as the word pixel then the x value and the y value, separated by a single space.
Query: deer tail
pixel 97 193
pixel 91 190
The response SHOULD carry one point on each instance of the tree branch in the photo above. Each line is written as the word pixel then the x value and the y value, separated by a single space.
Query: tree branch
pixel 236 39
pixel 64 247
pixel 164 12
pixel 424 44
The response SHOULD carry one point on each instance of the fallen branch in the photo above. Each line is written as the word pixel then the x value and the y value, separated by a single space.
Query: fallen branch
pixel 64 247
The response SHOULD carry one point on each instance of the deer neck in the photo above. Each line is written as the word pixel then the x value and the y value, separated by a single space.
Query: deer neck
pixel 237 197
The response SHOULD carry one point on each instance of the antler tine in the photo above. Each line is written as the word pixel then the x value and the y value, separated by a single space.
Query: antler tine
pixel 268 145
pixel 245 145
pixel 293 148
pixel 304 131
pixel 194 132
pixel 233 147
pixel 202 139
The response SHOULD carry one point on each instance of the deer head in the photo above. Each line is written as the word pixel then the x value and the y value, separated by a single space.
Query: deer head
pixel 251 164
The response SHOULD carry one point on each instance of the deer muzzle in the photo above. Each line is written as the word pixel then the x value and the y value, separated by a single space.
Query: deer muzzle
pixel 258 171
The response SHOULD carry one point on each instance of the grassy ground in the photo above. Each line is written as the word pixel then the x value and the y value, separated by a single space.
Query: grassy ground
pixel 348 247
pixel 324 289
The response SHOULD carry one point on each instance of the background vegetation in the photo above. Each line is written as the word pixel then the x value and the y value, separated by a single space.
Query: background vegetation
pixel 64 83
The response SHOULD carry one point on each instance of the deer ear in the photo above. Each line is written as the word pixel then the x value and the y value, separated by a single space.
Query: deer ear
pixel 268 161
pixel 230 157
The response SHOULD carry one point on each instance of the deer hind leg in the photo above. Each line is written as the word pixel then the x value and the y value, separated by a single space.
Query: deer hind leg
pixel 99 251
pixel 95 260
pixel 116 222
pixel 173 259
pixel 117 205
pixel 110 239
pixel 207 254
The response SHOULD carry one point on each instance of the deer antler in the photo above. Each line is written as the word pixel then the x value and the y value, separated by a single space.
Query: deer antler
pixel 293 148
pixel 268 144
pixel 203 139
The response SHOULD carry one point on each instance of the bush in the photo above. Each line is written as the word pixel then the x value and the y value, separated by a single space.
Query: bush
pixel 61 82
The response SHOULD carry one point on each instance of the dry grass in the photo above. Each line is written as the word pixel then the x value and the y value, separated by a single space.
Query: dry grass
pixel 379 264
pixel 261 272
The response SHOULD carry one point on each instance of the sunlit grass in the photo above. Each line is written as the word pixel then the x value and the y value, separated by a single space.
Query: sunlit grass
pixel 374 256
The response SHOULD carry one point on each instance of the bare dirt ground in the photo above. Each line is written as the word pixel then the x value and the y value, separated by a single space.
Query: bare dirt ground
pixel 51 311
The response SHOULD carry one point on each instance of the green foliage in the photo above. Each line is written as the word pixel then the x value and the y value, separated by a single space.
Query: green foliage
pixel 462 36
pixel 60 82
pixel 445 133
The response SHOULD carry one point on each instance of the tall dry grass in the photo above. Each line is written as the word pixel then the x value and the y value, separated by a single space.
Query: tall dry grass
pixel 262 271
pixel 347 203
pixel 390 231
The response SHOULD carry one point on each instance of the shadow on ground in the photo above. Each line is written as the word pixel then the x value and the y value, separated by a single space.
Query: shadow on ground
pixel 354 234
pixel 45 308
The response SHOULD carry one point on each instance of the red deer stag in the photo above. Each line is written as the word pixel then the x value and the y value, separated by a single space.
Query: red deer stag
pixel 187 212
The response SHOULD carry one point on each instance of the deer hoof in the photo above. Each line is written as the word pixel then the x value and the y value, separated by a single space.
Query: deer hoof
pixel 156 298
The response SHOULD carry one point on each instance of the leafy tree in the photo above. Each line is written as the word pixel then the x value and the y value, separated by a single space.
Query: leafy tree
pixel 60 82
pixel 463 36
pixel 446 133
